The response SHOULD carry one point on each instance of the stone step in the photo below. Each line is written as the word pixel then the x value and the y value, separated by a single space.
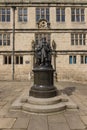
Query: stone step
pixel 46 101
pixel 37 105
pixel 43 109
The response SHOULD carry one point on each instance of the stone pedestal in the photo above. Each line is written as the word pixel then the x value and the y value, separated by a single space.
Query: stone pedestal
pixel 43 83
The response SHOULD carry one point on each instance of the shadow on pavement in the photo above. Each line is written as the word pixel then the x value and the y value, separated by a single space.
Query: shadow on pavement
pixel 68 90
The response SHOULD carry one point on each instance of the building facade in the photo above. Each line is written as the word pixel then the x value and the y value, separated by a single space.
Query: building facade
pixel 62 22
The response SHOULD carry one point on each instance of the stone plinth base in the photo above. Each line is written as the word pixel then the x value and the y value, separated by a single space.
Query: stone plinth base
pixel 43 91
pixel 43 83
pixel 40 105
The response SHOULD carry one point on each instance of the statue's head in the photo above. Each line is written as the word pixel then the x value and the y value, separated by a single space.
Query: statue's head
pixel 44 40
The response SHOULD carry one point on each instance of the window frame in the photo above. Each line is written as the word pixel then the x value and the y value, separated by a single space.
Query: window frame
pixel 60 15
pixel 72 59
pixel 78 39
pixel 18 59
pixel 7 59
pixel 77 15
pixel 40 35
pixel 5 39
pixel 5 14
pixel 22 15
pixel 45 15
pixel 83 59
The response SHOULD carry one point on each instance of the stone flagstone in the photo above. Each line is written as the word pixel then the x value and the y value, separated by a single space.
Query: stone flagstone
pixel 84 119
pixel 56 118
pixel 74 122
pixel 58 126
pixel 7 122
pixel 71 119
pixel 21 123
pixel 38 123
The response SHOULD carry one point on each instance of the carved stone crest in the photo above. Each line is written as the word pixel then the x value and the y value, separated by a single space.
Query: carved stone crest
pixel 43 24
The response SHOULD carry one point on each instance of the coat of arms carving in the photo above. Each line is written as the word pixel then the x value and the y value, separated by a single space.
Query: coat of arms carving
pixel 43 24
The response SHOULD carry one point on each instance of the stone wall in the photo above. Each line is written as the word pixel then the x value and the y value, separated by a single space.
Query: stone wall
pixel 42 1
pixel 21 72
pixel 60 34
pixel 71 72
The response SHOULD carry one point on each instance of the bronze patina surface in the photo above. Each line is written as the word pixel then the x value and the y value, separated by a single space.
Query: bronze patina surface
pixel 43 72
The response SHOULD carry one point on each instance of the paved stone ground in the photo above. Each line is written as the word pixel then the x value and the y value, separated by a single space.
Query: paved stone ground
pixel 65 120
